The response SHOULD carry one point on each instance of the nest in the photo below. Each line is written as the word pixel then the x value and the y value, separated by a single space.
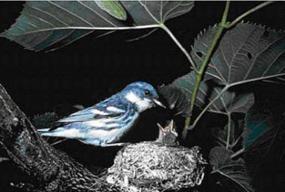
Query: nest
pixel 150 166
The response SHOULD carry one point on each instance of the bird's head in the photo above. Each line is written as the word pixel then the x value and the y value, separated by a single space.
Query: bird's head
pixel 141 94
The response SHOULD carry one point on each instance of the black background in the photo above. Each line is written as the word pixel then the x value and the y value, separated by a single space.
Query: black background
pixel 92 69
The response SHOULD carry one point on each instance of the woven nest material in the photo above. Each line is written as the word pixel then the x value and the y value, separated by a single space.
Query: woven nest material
pixel 149 166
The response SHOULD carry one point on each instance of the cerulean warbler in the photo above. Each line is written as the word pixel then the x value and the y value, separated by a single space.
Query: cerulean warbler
pixel 106 122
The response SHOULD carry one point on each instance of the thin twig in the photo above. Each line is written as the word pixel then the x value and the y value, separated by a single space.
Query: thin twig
pixel 142 36
pixel 165 28
pixel 204 64
pixel 238 19
pixel 224 24
pixel 238 153
pixel 236 141
pixel 188 56
pixel 207 107
pixel 229 131
pixel 224 90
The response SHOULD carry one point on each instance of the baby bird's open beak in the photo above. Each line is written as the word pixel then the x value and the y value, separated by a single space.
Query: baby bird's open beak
pixel 157 102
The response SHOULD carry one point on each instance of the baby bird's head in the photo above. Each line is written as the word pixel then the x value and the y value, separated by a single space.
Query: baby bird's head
pixel 141 94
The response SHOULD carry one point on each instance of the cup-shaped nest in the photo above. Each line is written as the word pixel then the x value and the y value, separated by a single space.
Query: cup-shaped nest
pixel 151 166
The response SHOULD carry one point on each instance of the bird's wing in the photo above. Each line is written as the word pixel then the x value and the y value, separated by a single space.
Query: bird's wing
pixel 102 110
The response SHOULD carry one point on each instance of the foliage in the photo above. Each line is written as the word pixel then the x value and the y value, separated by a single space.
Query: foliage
pixel 231 135
pixel 229 101
pixel 246 53
pixel 223 57
pixel 114 8
pixel 45 120
pixel 257 124
pixel 44 24
pixel 233 170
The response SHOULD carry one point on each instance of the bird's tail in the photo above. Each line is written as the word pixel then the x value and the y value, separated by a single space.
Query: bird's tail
pixel 43 130
pixel 59 132
pixel 46 132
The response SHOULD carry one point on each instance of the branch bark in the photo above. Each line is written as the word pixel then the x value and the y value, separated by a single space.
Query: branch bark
pixel 49 169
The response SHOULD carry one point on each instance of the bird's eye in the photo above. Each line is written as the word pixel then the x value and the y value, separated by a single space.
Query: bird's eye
pixel 147 92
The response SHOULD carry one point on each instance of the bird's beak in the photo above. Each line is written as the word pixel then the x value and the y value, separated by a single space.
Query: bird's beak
pixel 157 102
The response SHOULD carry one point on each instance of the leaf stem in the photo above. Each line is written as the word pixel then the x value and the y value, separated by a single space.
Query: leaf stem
pixel 229 131
pixel 205 62
pixel 188 56
pixel 239 152
pixel 224 90
pixel 252 10
pixel 207 107
pixel 224 24
pixel 88 28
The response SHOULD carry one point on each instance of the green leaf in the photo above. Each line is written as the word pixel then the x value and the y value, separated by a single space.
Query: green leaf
pixel 257 123
pixel 265 132
pixel 48 25
pixel 156 12
pixel 246 53
pixel 175 99
pixel 114 8
pixel 228 102
pixel 221 134
pixel 231 170
pixel 45 120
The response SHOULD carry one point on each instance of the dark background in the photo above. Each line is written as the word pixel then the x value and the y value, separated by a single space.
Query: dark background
pixel 92 69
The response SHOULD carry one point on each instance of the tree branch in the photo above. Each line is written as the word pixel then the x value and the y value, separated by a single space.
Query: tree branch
pixel 49 170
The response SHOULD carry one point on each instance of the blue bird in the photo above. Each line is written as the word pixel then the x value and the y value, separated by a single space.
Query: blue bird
pixel 105 123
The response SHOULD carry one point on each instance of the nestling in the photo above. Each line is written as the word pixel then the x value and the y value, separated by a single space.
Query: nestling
pixel 105 123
